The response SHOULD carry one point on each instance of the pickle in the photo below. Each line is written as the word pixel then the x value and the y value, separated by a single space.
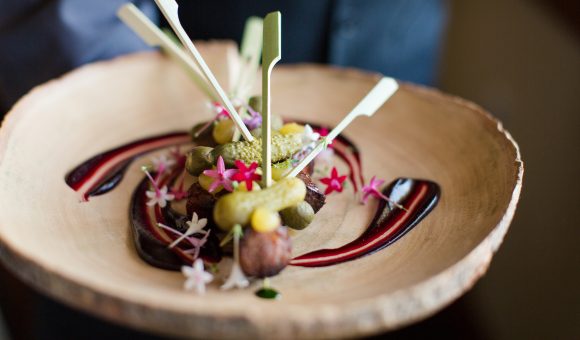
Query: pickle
pixel 201 158
pixel 237 207
pixel 198 159
pixel 223 131
pixel 283 147
pixel 279 170
pixel 298 216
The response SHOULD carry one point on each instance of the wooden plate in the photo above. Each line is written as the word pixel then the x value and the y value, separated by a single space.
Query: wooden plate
pixel 82 253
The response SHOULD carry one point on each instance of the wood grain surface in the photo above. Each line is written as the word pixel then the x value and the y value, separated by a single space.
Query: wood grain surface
pixel 82 253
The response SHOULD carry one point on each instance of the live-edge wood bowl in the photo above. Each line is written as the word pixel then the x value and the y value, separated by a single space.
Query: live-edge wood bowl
pixel 82 253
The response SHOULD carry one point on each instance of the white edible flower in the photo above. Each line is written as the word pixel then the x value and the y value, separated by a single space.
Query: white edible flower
pixel 162 163
pixel 309 136
pixel 325 156
pixel 195 226
pixel 159 196
pixel 196 277
pixel 237 278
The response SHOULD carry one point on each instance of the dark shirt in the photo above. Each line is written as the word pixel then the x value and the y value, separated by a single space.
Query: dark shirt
pixel 42 39
pixel 399 38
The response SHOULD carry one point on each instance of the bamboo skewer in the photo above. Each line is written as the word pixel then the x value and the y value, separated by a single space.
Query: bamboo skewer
pixel 271 54
pixel 250 53
pixel 384 89
pixel 153 36
pixel 169 10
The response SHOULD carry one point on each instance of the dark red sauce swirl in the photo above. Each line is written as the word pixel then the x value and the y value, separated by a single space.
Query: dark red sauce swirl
pixel 102 173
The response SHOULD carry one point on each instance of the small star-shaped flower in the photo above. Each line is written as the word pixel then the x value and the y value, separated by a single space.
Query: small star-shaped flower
pixel 195 226
pixel 323 132
pixel 196 277
pixel 326 142
pixel 334 182
pixel 325 156
pixel 309 136
pixel 221 176
pixel 162 163
pixel 197 243
pixel 178 193
pixel 219 110
pixel 255 119
pixel 246 174
pixel 372 189
pixel 159 196
pixel 237 278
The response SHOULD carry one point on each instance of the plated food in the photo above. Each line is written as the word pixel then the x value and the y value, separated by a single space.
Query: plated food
pixel 201 199
pixel 247 192
pixel 87 254
pixel 84 255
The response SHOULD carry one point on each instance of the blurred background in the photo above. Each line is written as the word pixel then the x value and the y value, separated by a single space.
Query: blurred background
pixel 519 59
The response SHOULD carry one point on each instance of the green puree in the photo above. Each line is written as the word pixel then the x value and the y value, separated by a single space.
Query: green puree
pixel 268 293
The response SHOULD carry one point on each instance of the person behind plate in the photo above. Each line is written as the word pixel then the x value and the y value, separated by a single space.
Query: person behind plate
pixel 42 39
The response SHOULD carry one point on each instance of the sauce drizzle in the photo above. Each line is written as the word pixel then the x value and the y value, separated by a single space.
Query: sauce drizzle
pixel 102 173
pixel 389 224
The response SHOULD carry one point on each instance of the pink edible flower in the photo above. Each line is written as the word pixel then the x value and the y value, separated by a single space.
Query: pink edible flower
pixel 221 176
pixel 220 111
pixel 323 132
pixel 178 193
pixel 334 182
pixel 372 189
pixel 162 163
pixel 246 174
pixel 178 189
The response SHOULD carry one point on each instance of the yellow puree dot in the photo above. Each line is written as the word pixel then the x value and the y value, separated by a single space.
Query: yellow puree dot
pixel 264 220
pixel 289 128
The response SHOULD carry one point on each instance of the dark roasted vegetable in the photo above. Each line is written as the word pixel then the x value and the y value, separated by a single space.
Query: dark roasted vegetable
pixel 265 254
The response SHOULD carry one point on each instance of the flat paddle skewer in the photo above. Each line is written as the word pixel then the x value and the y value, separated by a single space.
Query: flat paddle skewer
pixel 271 54
pixel 384 89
